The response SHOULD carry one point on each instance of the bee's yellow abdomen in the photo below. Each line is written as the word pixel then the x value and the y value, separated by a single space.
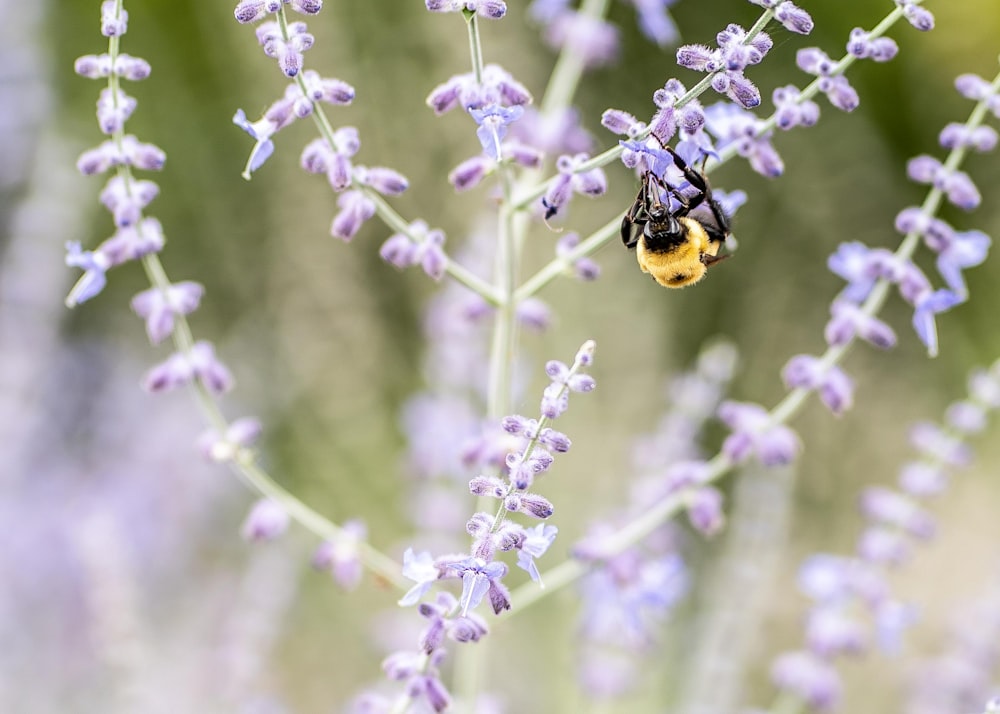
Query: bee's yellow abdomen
pixel 681 265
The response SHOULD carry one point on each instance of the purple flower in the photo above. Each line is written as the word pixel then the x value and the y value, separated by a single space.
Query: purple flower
pixel 159 307
pixel 492 9
pixel 240 434
pixel 645 156
pixel 493 121
pixel 341 557
pixel 555 398
pixel 835 388
pixel 593 40
pixel 100 66
pixel 480 578
pixel 984 387
pixel 114 19
pixel 625 598
pixel 917 15
pixel 462 90
pixel 928 304
pixel 420 246
pixel 737 87
pixel 956 184
pixel 704 509
pixel 254 10
pixel 854 263
pixel 849 321
pixel 936 444
pixel 733 125
pixel 265 521
pixel 965 250
pixel 128 151
pixel 794 18
pixel 980 138
pixel 533 314
pixel 887 507
pixel 592 182
pixel 882 546
pixel 754 433
pixel 334 161
pixel 553 133
pixel 288 52
pixel 833 629
pixel 922 479
pixel 833 84
pixel 355 209
pixel 133 241
pixel 833 579
pixel 422 570
pixel 655 22
pixel 113 109
pixel 94 264
pixel 737 51
pixel 583 267
pixel 126 199
pixel 537 542
pixel 863 46
pixel 791 110
pixel 978 89
pixel 181 367
pixel 261 132
pixel 809 677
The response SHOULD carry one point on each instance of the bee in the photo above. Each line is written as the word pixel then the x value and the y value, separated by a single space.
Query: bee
pixel 676 247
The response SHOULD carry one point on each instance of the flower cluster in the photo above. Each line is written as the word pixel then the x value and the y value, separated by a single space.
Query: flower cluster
pixel 628 592
pixel 138 237
pixel 735 52
pixel 481 575
pixel 331 153
pixel 853 605
pixel 956 250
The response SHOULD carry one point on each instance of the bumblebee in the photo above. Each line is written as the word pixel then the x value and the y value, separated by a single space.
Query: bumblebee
pixel 676 247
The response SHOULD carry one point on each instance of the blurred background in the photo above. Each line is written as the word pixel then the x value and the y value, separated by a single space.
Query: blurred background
pixel 126 586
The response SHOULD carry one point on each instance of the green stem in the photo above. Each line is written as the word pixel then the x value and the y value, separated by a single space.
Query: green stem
pixel 475 45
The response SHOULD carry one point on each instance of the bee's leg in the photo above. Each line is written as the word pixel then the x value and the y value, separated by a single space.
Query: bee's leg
pixel 704 194
pixel 634 221
pixel 697 180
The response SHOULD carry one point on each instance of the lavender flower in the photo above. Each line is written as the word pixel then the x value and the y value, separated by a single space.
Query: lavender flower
pixel 419 246
pixel 265 521
pixel 421 569
pixel 738 128
pixel 491 9
pixel 340 557
pixel 493 121
pixel 498 87
pixel 833 84
pixel 835 388
pixel 753 432
pixel 288 51
pixel 845 588
pixel 583 268
pixel 232 445
pixel 571 180
pixel 736 51
pixel 181 368
pixel 536 543
pixel 555 399
pixel 594 40
pixel 479 579
pixel 159 307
